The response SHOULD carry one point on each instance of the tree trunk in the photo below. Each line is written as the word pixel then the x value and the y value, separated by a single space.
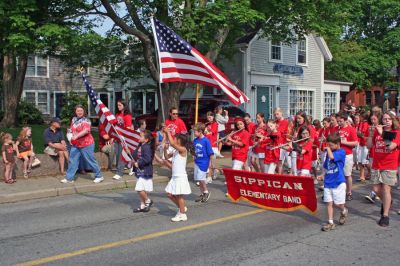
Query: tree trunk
pixel 13 83
pixel 171 94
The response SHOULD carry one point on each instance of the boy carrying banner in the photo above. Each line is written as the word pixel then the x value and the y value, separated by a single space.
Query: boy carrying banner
pixel 334 181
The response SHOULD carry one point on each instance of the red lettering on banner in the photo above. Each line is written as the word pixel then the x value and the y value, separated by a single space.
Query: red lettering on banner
pixel 277 192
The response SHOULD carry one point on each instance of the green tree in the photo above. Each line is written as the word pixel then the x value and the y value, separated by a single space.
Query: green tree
pixel 29 26
pixel 214 26
pixel 70 100
pixel 367 49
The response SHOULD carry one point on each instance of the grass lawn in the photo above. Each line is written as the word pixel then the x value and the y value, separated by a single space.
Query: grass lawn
pixel 37 136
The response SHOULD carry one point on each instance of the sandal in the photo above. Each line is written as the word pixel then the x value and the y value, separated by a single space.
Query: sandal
pixel 139 210
pixel 26 175
pixel 29 170
pixel 349 197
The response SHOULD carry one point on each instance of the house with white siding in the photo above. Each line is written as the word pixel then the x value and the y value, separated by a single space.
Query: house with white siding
pixel 273 74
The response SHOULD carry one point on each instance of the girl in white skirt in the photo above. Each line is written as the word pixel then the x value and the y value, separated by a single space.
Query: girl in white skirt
pixel 179 184
pixel 143 167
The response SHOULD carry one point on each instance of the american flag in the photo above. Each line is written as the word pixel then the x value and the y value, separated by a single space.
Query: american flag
pixel 180 62
pixel 129 137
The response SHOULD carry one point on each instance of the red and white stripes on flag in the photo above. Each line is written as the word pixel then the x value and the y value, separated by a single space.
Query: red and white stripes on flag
pixel 180 62
pixel 129 137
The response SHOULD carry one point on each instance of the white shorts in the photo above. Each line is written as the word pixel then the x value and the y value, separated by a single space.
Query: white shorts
pixel 215 150
pixel 261 155
pixel 269 168
pixel 237 165
pixel 348 165
pixel 251 155
pixel 322 157
pixel 315 163
pixel 283 154
pixel 362 155
pixel 303 172
pixel 198 174
pixel 144 184
pixel 337 195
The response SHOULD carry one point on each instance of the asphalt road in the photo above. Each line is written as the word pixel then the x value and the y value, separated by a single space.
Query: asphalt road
pixel 101 229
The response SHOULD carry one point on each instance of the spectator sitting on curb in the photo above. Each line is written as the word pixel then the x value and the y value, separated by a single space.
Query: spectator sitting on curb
pixel 55 143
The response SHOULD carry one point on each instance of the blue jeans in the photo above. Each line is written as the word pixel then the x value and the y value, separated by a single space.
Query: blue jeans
pixel 87 153
pixel 120 163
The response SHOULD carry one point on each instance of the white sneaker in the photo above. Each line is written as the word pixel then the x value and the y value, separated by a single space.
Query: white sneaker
pixel 219 155
pixel 315 182
pixel 131 172
pixel 66 181
pixel 197 183
pixel 179 217
pixel 209 180
pixel 117 177
pixel 98 179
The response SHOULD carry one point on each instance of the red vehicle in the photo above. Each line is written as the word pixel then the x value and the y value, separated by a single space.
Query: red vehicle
pixel 187 109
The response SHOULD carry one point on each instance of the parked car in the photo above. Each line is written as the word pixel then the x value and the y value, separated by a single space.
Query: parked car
pixel 187 109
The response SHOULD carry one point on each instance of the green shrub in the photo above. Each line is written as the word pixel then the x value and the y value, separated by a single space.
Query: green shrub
pixel 28 114
pixel 71 100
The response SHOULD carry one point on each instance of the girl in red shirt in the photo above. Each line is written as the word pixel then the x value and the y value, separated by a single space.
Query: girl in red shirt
pixel 211 132
pixel 273 139
pixel 385 140
pixel 240 144
pixel 301 120
pixel 304 152
pixel 124 120
pixel 259 146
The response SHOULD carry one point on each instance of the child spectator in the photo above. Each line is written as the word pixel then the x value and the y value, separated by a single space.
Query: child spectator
pixel 24 149
pixel 203 152
pixel 144 171
pixel 7 152
pixel 334 181
pixel 179 184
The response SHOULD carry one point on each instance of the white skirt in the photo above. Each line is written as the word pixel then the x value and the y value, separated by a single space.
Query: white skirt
pixel 144 184
pixel 178 186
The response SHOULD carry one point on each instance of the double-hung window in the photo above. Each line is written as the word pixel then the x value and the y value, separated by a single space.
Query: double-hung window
pixel 275 51
pixel 37 66
pixel 41 99
pixel 302 52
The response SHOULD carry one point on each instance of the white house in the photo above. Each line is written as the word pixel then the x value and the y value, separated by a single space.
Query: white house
pixel 291 77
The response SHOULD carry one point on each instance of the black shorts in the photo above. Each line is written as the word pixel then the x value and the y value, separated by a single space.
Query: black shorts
pixel 221 134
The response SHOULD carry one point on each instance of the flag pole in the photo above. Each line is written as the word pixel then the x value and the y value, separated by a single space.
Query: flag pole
pixel 196 119
pixel 158 63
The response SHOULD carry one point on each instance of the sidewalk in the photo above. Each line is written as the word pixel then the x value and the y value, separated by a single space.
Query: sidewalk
pixel 44 187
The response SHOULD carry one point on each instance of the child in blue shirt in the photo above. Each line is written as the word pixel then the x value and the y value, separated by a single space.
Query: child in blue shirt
pixel 334 181
pixel 203 153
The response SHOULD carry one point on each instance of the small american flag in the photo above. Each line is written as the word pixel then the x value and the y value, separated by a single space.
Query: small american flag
pixel 129 138
pixel 180 62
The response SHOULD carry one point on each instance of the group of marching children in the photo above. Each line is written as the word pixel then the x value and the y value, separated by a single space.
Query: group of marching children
pixel 368 140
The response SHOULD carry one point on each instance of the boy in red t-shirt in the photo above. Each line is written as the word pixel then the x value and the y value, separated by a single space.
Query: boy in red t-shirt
pixel 349 140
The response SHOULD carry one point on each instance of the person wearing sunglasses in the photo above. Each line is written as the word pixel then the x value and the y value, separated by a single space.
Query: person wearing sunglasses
pixel 174 123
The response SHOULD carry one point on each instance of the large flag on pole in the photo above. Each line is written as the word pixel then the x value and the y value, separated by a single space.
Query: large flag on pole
pixel 180 62
pixel 129 137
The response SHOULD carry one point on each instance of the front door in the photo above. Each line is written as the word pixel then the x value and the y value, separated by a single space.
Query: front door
pixel 58 105
pixel 264 101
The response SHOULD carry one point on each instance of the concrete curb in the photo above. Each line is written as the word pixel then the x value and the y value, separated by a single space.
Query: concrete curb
pixel 75 188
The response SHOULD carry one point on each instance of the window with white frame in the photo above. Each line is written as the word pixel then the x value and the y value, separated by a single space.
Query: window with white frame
pixel 302 52
pixel 104 97
pixel 37 66
pixel 330 103
pixel 301 100
pixel 276 51
pixel 41 99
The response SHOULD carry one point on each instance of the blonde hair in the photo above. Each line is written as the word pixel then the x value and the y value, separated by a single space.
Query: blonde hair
pixel 24 133
pixel 4 136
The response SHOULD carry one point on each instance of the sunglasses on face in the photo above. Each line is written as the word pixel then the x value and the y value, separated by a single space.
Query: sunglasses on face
pixel 174 113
